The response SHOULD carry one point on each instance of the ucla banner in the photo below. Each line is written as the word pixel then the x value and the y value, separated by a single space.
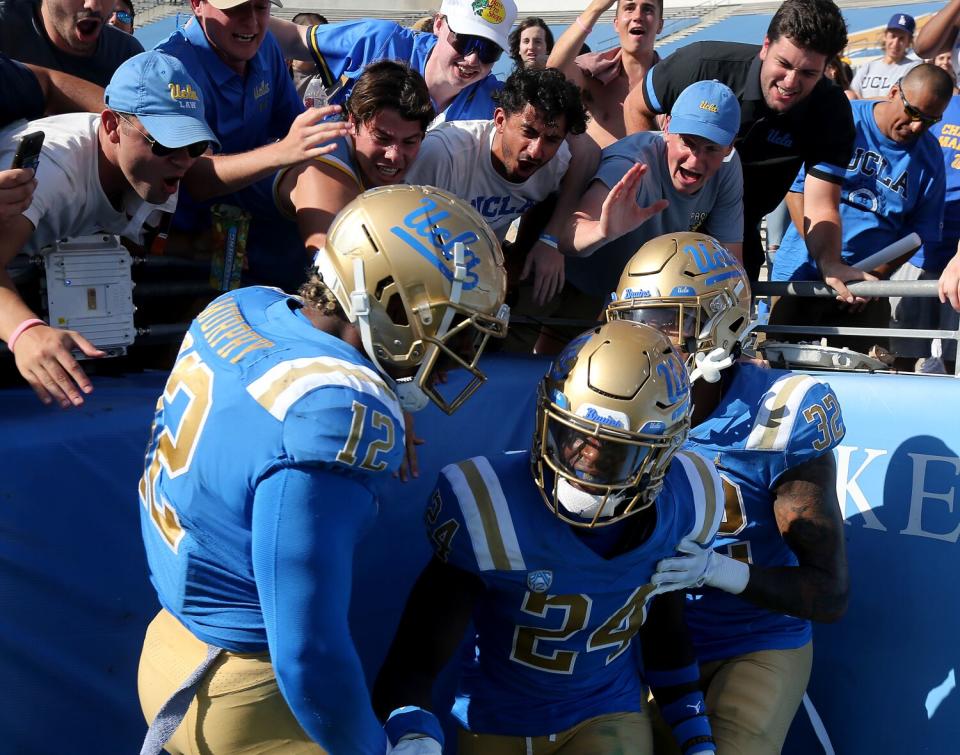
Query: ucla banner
pixel 76 598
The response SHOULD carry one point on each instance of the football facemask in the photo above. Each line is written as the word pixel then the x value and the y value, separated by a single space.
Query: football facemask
pixel 690 288
pixel 422 276
pixel 611 413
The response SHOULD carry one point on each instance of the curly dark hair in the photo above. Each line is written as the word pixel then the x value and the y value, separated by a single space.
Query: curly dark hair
pixel 392 84
pixel 549 92
pixel 315 293
pixel 514 38
pixel 814 24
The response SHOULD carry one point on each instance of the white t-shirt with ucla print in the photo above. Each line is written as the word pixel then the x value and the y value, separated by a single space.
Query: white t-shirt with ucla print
pixel 455 156
pixel 873 80
pixel 69 200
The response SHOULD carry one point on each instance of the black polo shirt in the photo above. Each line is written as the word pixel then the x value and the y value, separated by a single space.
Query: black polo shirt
pixel 817 133
pixel 23 38
pixel 20 93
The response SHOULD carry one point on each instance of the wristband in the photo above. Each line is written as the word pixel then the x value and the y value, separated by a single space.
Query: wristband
pixel 19 330
pixel 412 720
pixel 551 241
pixel 687 718
pixel 578 22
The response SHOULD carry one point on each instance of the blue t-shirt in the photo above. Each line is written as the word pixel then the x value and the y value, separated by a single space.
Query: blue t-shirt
pixel 245 112
pixel 767 422
pixel 342 50
pixel 889 190
pixel 261 474
pixel 947 132
pixel 556 621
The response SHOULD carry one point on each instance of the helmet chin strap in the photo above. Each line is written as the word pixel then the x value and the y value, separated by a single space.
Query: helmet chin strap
pixel 584 505
pixel 411 395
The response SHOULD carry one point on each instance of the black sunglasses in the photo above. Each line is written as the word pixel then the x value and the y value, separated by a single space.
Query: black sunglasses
pixel 487 51
pixel 915 115
pixel 194 150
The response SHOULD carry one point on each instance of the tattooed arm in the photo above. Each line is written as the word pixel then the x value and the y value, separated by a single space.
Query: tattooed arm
pixel 809 518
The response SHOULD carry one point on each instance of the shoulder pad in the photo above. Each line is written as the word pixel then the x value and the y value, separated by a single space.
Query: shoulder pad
pixel 483 510
pixel 707 493
pixel 333 411
pixel 797 413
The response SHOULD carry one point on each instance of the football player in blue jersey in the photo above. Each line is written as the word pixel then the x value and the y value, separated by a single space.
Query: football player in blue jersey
pixel 277 421
pixel 558 592
pixel 779 560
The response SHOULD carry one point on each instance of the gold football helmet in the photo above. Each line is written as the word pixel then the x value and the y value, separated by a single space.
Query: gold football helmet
pixel 689 287
pixel 612 410
pixel 422 275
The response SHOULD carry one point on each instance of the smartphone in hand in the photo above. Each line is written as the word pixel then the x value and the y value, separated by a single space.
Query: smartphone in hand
pixel 28 151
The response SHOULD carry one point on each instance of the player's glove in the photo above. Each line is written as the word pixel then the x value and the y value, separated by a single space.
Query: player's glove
pixel 413 731
pixel 708 366
pixel 701 566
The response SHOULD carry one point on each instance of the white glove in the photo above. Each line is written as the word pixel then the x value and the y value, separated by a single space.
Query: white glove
pixel 709 366
pixel 701 566
pixel 416 744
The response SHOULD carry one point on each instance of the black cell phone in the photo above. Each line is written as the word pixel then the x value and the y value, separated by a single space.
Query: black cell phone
pixel 28 151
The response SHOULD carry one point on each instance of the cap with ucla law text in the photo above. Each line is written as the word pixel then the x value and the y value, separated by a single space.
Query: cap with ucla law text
pixel 902 21
pixel 490 19
pixel 708 109
pixel 158 90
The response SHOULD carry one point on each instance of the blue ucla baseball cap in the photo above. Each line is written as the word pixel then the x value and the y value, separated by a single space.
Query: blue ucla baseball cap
pixel 708 109
pixel 157 89
pixel 902 21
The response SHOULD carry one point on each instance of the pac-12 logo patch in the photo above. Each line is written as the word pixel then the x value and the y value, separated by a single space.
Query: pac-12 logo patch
pixel 539 580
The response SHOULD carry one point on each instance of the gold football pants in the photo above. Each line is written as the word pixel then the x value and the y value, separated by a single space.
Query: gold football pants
pixel 238 710
pixel 751 701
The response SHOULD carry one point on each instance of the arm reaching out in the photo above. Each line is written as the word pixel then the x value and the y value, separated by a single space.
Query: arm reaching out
pixel 605 216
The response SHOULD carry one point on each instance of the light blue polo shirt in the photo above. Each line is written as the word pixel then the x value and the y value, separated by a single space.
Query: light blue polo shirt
pixel 342 50
pixel 245 112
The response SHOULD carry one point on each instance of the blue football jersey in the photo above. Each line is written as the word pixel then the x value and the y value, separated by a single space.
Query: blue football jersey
pixel 767 422
pixel 556 620
pixel 256 387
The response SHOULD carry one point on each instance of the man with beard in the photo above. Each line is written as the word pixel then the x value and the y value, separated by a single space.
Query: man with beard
pixel 607 77
pixel 67 35
pixel 507 166
pixel 893 185
pixel 790 117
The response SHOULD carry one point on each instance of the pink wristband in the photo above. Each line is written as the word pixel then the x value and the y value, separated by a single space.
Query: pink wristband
pixel 19 330
pixel 583 26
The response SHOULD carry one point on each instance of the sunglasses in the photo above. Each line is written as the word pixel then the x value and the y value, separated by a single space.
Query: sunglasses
pixel 915 115
pixel 194 150
pixel 487 51
pixel 124 17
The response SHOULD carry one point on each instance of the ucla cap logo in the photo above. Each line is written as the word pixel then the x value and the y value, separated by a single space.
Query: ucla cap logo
pixel 491 11
pixel 709 106
pixel 539 580
pixel 181 92
pixel 423 225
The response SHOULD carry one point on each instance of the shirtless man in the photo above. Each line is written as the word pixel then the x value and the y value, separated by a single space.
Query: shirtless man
pixel 607 77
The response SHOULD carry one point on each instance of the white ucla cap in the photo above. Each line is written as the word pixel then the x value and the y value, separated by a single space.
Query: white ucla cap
pixel 490 19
